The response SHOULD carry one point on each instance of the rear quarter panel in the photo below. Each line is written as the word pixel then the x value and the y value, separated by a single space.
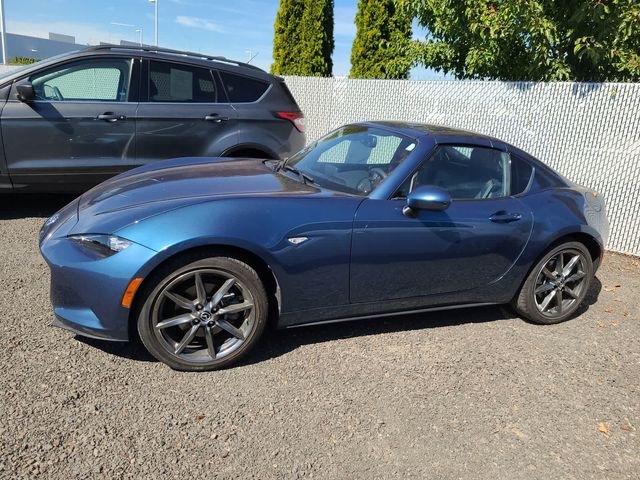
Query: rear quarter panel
pixel 559 212
pixel 260 127
pixel 562 211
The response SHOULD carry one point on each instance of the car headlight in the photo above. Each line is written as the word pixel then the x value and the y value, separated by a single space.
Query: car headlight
pixel 101 245
pixel 53 219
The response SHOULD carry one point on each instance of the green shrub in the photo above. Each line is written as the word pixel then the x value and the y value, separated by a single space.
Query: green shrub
pixel 23 61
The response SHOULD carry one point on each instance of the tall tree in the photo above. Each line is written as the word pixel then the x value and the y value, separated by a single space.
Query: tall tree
pixel 287 41
pixel 303 42
pixel 383 32
pixel 317 38
pixel 584 40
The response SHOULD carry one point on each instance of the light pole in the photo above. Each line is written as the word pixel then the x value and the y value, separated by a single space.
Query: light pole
pixel 139 30
pixel 155 21
pixel 4 33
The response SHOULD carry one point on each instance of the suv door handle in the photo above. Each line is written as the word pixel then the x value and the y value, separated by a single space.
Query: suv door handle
pixel 505 217
pixel 214 117
pixel 110 117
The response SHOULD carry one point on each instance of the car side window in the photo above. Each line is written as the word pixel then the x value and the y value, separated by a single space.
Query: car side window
pixel 243 89
pixel 465 171
pixel 520 175
pixel 99 80
pixel 172 82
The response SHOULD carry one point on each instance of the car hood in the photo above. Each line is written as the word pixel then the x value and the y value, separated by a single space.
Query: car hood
pixel 163 186
pixel 188 179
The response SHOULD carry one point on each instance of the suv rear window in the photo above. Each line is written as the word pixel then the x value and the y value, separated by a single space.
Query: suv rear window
pixel 170 82
pixel 288 93
pixel 243 89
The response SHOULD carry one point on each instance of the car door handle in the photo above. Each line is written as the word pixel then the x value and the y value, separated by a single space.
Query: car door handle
pixel 505 217
pixel 110 117
pixel 214 117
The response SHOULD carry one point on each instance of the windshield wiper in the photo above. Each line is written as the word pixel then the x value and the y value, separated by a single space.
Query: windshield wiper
pixel 306 178
pixel 273 164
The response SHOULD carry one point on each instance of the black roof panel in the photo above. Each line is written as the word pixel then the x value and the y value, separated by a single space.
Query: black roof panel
pixel 438 132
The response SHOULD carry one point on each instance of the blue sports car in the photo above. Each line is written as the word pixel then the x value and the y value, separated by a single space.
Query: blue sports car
pixel 374 219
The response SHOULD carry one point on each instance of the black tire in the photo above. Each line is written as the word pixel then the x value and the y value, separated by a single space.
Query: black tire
pixel 246 324
pixel 527 303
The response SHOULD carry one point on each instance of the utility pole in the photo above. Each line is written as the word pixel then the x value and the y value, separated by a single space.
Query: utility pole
pixel 155 22
pixel 3 25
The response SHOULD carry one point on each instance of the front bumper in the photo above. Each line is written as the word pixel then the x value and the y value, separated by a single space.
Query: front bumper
pixel 82 330
pixel 86 293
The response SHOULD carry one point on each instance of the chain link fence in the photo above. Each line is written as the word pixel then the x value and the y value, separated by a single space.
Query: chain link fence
pixel 589 132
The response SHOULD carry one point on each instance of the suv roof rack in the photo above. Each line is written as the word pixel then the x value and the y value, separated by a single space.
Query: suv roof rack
pixel 171 51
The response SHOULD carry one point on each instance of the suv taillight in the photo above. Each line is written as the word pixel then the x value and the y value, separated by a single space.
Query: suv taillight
pixel 297 118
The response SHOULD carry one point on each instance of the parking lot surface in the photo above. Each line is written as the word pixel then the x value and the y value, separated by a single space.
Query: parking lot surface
pixel 472 393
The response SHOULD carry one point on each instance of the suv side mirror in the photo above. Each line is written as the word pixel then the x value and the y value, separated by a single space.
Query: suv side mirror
pixel 427 197
pixel 26 93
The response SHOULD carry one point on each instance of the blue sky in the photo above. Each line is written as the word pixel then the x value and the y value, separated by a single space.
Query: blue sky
pixel 233 28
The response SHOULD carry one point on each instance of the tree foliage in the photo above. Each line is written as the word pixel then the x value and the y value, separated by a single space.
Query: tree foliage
pixel 583 40
pixel 317 38
pixel 287 41
pixel 22 61
pixel 303 42
pixel 382 33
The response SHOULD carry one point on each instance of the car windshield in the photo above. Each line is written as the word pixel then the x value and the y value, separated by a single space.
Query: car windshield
pixel 353 159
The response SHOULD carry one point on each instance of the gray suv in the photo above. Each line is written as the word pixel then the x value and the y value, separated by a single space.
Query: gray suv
pixel 72 121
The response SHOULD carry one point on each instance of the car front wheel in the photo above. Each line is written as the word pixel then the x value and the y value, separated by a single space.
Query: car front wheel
pixel 204 315
pixel 557 285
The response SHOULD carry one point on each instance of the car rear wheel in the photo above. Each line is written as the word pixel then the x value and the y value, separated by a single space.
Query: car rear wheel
pixel 557 285
pixel 204 315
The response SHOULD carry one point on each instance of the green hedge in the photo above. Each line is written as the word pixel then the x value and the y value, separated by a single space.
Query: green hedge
pixel 22 61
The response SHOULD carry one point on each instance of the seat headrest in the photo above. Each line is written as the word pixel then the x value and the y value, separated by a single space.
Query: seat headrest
pixel 486 159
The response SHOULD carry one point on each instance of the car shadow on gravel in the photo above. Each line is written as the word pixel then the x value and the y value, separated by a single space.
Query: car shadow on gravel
pixel 15 206
pixel 133 350
pixel 276 343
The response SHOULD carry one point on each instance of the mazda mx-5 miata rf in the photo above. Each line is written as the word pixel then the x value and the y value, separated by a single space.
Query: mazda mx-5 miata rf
pixel 374 219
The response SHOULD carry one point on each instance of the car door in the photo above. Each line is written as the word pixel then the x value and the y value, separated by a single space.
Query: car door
pixel 469 245
pixel 77 131
pixel 184 112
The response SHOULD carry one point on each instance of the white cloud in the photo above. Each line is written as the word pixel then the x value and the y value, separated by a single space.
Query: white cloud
pixel 201 23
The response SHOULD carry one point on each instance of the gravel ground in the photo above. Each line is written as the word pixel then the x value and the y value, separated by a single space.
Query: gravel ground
pixel 473 393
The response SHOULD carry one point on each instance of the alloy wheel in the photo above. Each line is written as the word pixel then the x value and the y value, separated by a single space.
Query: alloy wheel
pixel 203 315
pixel 560 283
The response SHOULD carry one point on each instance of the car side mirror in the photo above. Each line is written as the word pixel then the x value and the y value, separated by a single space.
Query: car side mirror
pixel 26 93
pixel 427 197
